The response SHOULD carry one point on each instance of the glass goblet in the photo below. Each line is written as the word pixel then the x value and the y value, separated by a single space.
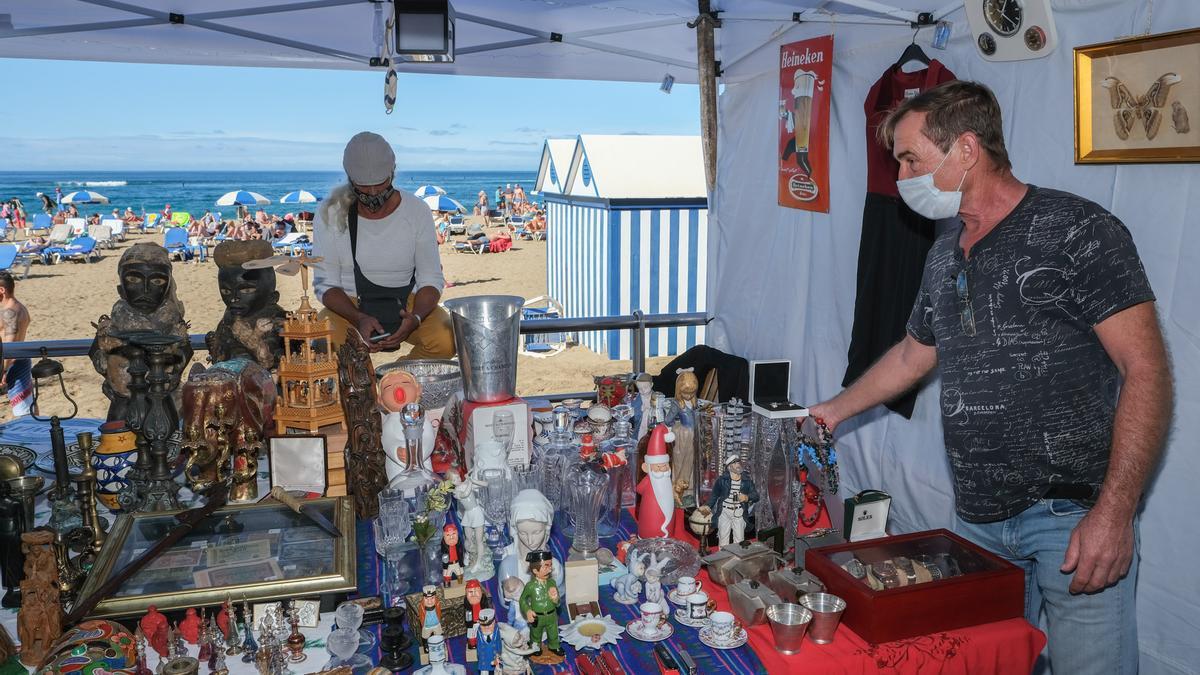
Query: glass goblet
pixel 343 645
pixel 349 615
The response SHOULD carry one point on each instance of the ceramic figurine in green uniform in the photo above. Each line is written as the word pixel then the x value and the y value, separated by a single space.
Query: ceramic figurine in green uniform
pixel 539 604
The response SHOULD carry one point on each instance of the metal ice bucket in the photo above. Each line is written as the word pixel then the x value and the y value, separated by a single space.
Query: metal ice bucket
pixel 487 333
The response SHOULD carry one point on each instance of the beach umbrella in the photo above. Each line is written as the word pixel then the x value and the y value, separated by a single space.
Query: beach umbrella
pixel 242 198
pixel 429 191
pixel 85 197
pixel 299 197
pixel 444 203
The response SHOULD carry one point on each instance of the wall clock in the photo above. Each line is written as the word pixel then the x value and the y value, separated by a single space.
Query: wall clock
pixel 1012 30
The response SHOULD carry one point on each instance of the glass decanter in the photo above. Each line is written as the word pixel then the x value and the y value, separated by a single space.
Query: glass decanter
pixel 552 464
pixel 414 479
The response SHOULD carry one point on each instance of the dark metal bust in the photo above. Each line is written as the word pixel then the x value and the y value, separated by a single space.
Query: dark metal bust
pixel 253 317
pixel 147 303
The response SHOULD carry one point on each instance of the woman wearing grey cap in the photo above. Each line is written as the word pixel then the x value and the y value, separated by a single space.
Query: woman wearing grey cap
pixel 381 272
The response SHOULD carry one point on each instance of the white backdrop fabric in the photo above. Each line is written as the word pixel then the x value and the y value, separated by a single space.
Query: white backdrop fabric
pixel 783 281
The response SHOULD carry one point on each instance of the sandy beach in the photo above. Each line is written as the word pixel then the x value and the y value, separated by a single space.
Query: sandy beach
pixel 65 299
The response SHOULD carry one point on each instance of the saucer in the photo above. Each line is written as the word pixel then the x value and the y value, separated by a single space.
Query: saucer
pixel 634 629
pixel 681 615
pixel 706 637
pixel 674 597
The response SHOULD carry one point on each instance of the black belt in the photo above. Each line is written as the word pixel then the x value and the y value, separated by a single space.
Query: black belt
pixel 1080 492
pixel 551 612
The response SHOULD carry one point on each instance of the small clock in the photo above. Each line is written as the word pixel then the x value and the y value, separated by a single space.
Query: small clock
pixel 987 44
pixel 1012 30
pixel 1003 16
pixel 1035 38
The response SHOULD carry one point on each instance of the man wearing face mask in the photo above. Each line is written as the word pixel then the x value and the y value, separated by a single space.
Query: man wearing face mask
pixel 1032 308
pixel 381 273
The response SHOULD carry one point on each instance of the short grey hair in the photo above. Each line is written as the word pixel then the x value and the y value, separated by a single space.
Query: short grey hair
pixel 952 109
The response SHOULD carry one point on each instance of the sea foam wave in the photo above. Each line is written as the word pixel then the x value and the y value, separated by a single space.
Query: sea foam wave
pixel 95 183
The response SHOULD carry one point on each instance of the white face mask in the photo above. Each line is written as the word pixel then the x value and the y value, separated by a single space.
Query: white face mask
pixel 923 197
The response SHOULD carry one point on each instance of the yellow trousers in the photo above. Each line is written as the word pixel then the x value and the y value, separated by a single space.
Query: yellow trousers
pixel 433 339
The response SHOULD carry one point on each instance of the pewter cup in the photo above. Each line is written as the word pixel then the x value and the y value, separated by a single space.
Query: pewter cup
pixel 487 333
pixel 827 614
pixel 26 488
pixel 788 624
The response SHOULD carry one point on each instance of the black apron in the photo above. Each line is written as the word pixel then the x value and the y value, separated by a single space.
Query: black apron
pixel 382 302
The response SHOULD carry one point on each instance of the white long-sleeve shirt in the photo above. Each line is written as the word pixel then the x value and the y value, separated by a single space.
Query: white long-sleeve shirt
pixel 389 250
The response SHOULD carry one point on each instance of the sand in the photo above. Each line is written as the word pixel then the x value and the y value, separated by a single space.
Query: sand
pixel 65 299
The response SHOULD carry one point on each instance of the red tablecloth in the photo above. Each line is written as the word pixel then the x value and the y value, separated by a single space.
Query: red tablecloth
pixel 1003 647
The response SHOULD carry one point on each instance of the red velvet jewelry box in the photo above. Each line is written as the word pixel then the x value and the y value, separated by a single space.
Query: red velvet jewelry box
pixel 975 587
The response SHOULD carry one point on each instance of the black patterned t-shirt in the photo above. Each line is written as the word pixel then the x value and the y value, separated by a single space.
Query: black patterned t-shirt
pixel 1028 400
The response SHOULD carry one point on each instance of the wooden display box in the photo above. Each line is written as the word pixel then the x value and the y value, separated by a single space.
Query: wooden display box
pixel 987 589
pixel 454 621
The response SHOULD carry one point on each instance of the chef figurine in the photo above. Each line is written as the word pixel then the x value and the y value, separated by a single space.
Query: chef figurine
pixel 487 642
pixel 732 498
pixel 452 557
pixel 539 603
pixel 476 603
pixel 431 619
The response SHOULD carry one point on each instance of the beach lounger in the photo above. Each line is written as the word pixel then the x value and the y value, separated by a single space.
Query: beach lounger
pixel 80 248
pixel 41 221
pixel 78 226
pixel 10 257
pixel 476 246
pixel 541 345
pixel 59 234
pixel 181 219
pixel 151 222
pixel 458 225
pixel 102 234
pixel 176 241
pixel 117 226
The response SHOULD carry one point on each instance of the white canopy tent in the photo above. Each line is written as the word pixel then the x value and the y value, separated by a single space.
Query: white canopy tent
pixel 808 258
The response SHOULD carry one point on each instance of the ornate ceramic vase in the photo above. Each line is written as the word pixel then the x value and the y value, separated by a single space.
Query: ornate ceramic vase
pixel 113 458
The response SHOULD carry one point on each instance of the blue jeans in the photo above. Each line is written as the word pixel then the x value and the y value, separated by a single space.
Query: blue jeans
pixel 1087 633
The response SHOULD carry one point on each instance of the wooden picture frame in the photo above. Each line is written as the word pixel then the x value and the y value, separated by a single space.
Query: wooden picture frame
pixel 1137 100
pixel 299 456
pixel 257 552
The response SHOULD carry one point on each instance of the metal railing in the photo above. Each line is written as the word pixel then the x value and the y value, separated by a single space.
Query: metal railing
pixel 637 322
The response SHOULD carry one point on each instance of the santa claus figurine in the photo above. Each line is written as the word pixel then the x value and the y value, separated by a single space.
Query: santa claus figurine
pixel 656 497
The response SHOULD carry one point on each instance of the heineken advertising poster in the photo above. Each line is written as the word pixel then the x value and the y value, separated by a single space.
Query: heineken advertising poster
pixel 804 72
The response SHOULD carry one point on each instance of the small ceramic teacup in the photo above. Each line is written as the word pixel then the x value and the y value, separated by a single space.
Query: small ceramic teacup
pixel 652 617
pixel 721 624
pixel 686 586
pixel 699 607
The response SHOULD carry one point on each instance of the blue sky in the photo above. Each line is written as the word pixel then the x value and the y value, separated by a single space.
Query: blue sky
pixel 65 115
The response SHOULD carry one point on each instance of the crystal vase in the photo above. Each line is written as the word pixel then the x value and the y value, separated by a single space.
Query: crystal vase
pixel 431 549
pixel 588 485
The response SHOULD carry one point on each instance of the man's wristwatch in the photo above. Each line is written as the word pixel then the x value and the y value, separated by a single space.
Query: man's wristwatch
pixel 887 574
pixel 907 570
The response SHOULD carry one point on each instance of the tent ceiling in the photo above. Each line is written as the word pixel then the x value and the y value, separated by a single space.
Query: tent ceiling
pixel 632 40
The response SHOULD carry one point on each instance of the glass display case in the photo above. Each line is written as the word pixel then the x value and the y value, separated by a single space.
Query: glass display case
pixel 914 584
pixel 259 552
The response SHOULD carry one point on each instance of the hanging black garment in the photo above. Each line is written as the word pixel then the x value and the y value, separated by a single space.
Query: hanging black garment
pixel 385 303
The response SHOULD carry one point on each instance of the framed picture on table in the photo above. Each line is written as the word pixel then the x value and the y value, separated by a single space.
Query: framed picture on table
pixel 257 552
pixel 1138 99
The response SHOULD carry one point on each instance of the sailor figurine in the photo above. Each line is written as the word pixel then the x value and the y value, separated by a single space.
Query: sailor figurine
pixel 487 643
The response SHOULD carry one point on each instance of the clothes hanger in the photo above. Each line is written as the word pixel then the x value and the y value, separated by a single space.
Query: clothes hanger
pixel 913 52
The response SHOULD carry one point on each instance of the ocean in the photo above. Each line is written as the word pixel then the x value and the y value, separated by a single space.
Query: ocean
pixel 198 191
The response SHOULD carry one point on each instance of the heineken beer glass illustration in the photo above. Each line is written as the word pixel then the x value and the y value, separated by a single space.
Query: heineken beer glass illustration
pixel 802 97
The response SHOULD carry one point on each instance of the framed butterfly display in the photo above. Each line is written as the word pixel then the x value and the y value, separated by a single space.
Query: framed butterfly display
pixel 1138 100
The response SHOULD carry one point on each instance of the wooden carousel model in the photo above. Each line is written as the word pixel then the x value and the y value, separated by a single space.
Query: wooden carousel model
pixel 308 368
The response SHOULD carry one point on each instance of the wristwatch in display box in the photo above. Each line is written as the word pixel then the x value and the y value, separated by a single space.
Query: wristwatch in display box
pixel 915 584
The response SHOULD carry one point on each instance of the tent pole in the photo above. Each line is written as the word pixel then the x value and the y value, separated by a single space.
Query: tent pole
pixel 707 74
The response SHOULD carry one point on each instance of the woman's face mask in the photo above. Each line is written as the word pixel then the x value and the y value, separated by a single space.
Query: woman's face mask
pixel 374 201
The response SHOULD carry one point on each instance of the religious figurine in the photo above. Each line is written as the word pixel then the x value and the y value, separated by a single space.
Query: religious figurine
pixel 529 524
pixel 430 615
pixel 147 303
pixel 539 604
pixel 511 590
pixel 452 557
pixel 189 628
pixel 12 560
pixel 516 649
pixel 39 623
pixel 487 645
pixel 656 498
pixel 732 498
pixel 154 626
pixel 683 454
pixel 473 521
pixel 476 602
pixel 253 317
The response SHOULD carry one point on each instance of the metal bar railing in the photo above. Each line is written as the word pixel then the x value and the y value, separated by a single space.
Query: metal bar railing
pixel 636 322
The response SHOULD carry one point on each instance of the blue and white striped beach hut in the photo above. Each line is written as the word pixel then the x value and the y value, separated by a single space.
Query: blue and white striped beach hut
pixel 628 229
pixel 556 162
